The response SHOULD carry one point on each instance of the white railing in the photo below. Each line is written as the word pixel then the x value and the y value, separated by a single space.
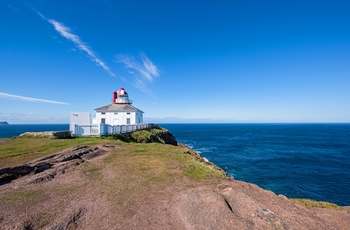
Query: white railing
pixel 86 130
pixel 105 129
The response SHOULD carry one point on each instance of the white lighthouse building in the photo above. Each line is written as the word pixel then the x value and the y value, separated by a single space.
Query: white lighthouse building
pixel 120 112
pixel 118 117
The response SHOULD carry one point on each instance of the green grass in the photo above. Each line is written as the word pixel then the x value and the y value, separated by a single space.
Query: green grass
pixel 147 135
pixel 22 150
pixel 194 168
pixel 157 130
pixel 317 204
pixel 139 158
pixel 141 135
pixel 142 157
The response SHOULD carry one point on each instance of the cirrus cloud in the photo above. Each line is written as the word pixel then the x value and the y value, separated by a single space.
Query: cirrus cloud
pixel 66 32
pixel 30 99
pixel 142 68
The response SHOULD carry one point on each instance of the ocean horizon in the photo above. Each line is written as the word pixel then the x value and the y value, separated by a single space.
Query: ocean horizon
pixel 298 160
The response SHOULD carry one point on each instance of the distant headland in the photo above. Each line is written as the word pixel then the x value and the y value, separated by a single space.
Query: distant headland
pixel 4 123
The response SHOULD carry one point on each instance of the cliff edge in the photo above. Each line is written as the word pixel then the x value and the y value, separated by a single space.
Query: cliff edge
pixel 104 183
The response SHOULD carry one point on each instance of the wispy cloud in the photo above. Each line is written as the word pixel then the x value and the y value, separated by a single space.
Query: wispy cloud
pixel 66 32
pixel 142 68
pixel 13 8
pixel 30 99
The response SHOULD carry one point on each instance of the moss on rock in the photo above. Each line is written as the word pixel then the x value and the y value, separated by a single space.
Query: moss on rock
pixel 157 135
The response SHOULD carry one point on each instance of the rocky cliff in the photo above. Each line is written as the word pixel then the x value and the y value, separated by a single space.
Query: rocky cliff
pixel 120 185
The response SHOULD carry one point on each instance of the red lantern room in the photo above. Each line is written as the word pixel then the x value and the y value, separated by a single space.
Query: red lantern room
pixel 121 97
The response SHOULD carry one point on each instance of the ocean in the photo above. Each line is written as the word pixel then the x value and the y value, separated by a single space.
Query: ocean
pixel 8 131
pixel 297 160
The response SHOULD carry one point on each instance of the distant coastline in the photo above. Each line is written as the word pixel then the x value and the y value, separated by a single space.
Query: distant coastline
pixel 4 123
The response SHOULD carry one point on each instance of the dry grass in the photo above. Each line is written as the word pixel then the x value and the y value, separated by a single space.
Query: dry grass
pixel 145 169
pixel 24 195
pixel 317 204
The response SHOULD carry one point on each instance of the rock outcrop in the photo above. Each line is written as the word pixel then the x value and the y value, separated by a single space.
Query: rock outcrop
pixel 157 135
pixel 48 134
pixel 52 164
pixel 241 205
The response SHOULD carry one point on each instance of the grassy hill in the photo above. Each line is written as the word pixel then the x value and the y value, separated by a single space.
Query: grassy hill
pixel 107 183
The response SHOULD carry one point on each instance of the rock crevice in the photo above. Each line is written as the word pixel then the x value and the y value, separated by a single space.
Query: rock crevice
pixel 52 165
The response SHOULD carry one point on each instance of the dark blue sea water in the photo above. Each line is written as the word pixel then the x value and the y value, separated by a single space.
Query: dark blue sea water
pixel 7 131
pixel 297 160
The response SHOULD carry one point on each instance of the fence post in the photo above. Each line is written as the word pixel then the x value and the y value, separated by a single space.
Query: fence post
pixel 74 130
pixel 101 129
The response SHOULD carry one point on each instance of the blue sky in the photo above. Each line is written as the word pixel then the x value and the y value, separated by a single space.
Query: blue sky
pixel 180 61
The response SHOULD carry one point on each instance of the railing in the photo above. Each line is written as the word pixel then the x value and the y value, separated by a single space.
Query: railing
pixel 105 129
pixel 86 130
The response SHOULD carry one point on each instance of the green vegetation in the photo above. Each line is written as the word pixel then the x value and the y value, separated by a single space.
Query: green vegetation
pixel 140 157
pixel 158 135
pixel 317 204
pixel 22 150
pixel 147 136
pixel 195 167
pixel 157 130
pixel 141 136
pixel 129 174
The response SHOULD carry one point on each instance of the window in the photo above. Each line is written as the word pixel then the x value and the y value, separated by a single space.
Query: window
pixel 103 120
pixel 103 113
pixel 128 121
pixel 128 113
pixel 115 113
